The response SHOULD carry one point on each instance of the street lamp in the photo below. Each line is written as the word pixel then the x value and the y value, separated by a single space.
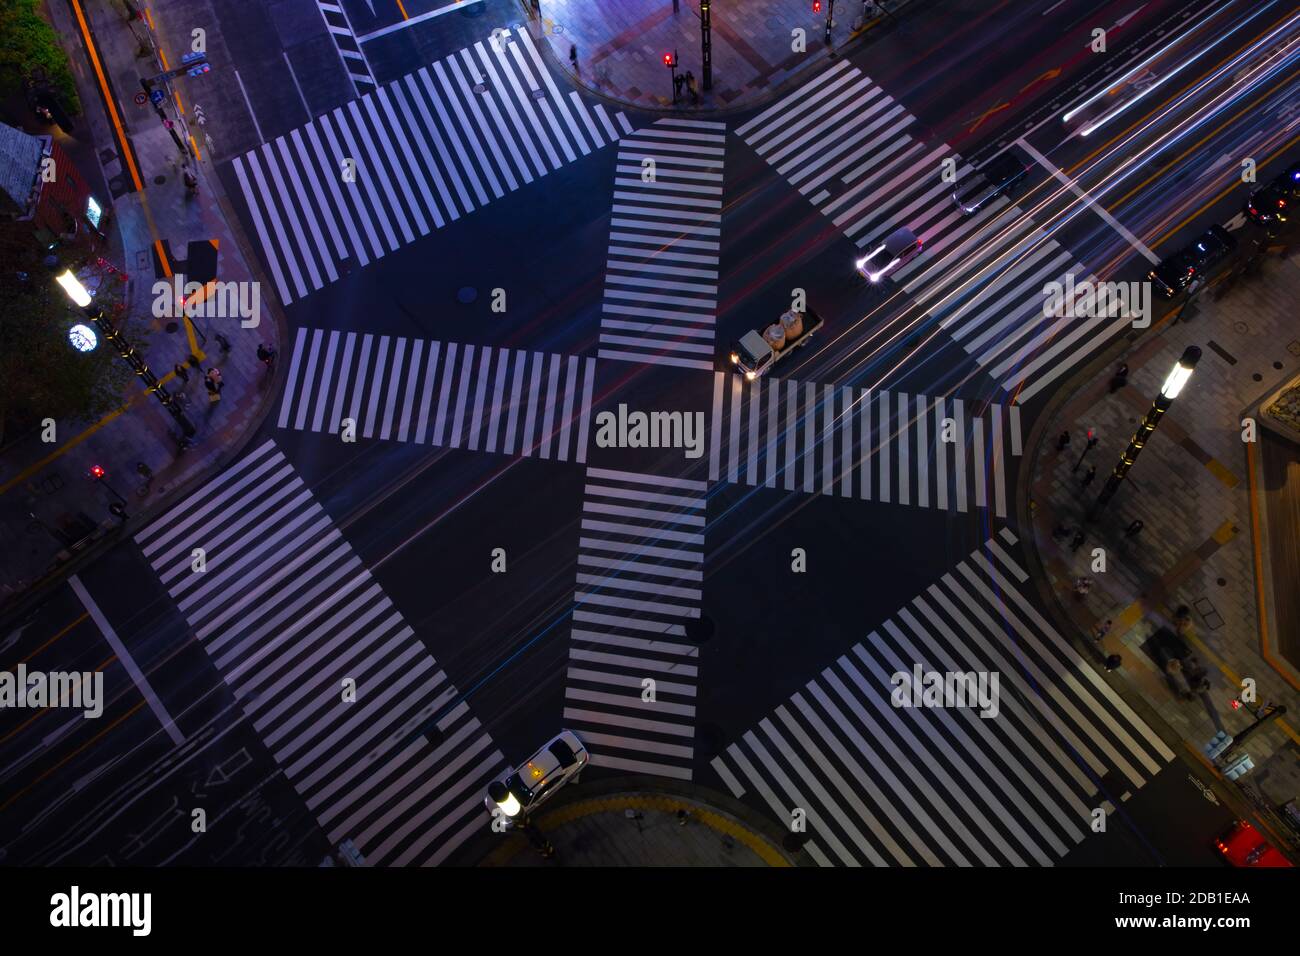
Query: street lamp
pixel 78 294
pixel 1178 378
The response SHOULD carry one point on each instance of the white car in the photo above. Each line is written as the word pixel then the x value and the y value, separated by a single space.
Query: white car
pixel 537 780
pixel 893 252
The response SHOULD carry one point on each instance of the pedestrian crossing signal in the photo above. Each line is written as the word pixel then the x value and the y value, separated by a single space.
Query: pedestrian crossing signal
pixel 668 59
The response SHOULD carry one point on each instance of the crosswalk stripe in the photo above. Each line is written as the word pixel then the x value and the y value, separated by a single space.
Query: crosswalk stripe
pixel 284 627
pixel 637 580
pixel 890 446
pixel 1058 731
pixel 389 386
pixel 847 146
pixel 426 149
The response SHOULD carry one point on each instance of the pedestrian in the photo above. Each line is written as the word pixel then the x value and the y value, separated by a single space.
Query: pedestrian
pixel 678 81
pixel 690 86
pixel 214 392
pixel 1133 528
pixel 573 57
pixel 1063 442
pixel 1120 379
pixel 1081 587
pixel 191 181
pixel 1090 474
pixel 1079 538
pixel 1101 630
pixel 182 373
pixel 1061 532
pixel 214 378
pixel 682 816
pixel 1113 662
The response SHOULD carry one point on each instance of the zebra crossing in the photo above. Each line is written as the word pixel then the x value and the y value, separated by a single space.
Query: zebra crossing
pixel 884 785
pixel 630 688
pixel 915 450
pixel 447 394
pixel 289 615
pixel 410 156
pixel 865 163
pixel 661 279
pixel 345 41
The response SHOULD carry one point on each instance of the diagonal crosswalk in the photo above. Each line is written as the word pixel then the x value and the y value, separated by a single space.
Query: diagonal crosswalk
pixel 632 674
pixel 288 614
pixel 661 278
pixel 413 155
pixel 866 163
pixel 884 785
pixel 447 394
pixel 916 450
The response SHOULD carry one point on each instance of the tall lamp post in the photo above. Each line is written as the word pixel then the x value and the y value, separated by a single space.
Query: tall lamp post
pixel 1168 392
pixel 95 312
pixel 706 44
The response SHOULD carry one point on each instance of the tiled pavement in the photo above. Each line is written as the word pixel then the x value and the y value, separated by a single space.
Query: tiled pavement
pixel 53 487
pixel 1191 490
pixel 620 46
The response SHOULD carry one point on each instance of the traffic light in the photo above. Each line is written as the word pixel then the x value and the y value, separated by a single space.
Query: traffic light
pixel 97 472
pixel 199 70
pixel 668 59
pixel 817 6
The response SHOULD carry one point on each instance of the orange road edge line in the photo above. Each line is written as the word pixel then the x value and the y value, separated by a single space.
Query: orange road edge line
pixel 195 147
pixel 8 803
pixel 78 439
pixel 75 622
pixel 45 710
pixel 108 96
pixel 403 9
pixel 1268 159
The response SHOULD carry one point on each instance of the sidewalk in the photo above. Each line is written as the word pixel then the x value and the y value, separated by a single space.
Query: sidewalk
pixel 48 507
pixel 1206 517
pixel 621 46
pixel 638 828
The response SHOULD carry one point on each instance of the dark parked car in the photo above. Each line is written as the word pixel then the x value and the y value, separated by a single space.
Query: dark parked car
pixel 1275 202
pixel 995 178
pixel 1176 273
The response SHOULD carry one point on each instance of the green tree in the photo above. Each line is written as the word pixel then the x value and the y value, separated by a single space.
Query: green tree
pixel 29 46
pixel 41 375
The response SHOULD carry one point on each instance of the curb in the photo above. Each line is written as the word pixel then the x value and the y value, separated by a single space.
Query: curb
pixel 1229 792
pixel 720 812
pixel 35 593
pixel 795 78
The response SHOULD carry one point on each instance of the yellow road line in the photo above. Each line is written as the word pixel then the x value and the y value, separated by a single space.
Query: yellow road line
pixel 403 9
pixel 666 804
pixel 78 439
pixel 118 127
pixel 75 621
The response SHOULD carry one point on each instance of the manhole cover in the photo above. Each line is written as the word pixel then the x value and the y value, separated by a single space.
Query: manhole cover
pixel 171 326
pixel 701 630
pixel 467 294
pixel 159 180
pixel 1278 366
pixel 1257 377
pixel 1222 581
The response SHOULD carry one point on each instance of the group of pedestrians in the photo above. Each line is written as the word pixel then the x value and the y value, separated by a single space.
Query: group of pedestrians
pixel 213 383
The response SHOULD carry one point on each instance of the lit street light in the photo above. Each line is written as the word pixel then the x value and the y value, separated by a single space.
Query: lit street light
pixel 78 294
pixel 1169 391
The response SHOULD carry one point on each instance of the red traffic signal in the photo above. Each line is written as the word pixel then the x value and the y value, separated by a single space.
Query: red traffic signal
pixel 817 6
pixel 668 59
pixel 96 472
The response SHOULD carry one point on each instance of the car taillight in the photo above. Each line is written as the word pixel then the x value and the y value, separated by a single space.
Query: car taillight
pixel 1253 210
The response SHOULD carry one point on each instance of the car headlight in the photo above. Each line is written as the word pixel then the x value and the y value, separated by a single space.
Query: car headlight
pixel 750 376
pixel 735 359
